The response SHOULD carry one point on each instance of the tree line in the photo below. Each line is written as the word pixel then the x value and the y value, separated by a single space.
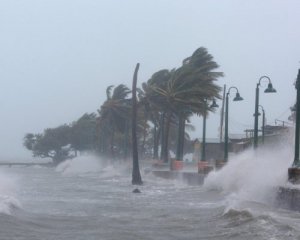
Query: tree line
pixel 165 104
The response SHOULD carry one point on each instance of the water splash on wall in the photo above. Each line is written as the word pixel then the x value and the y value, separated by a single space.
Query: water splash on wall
pixel 252 175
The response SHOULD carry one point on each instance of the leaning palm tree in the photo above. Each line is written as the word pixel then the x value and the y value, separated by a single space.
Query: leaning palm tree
pixel 187 90
pixel 157 107
pixel 201 66
pixel 149 113
pixel 136 175
pixel 114 113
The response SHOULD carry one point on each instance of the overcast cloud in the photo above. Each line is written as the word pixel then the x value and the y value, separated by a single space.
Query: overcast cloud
pixel 58 56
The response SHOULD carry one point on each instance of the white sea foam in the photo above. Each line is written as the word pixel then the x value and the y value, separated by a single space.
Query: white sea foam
pixel 252 175
pixel 111 171
pixel 82 164
pixel 8 188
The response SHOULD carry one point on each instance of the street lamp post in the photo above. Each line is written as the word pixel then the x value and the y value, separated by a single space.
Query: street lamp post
pixel 213 105
pixel 263 124
pixel 237 98
pixel 269 89
pixel 202 165
pixel 294 171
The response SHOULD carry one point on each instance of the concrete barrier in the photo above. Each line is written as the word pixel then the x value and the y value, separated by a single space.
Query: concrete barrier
pixel 288 198
pixel 190 178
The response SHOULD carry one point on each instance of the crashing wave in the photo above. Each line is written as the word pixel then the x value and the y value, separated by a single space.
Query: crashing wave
pixel 8 204
pixel 8 187
pixel 86 165
pixel 82 164
pixel 252 175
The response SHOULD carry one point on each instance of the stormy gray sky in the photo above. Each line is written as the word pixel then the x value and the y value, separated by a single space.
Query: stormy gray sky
pixel 58 56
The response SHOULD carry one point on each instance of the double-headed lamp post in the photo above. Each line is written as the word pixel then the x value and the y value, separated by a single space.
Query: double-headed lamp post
pixel 269 89
pixel 236 98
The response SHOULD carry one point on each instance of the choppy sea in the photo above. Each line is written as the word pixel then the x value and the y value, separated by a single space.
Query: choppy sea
pixel 81 199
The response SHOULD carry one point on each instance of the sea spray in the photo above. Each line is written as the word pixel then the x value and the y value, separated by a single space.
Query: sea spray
pixel 252 175
pixel 8 189
pixel 91 164
pixel 82 164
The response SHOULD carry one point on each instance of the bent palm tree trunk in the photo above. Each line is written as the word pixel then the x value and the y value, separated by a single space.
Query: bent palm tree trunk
pixel 126 140
pixel 136 176
pixel 180 136
pixel 166 137
pixel 155 141
pixel 162 138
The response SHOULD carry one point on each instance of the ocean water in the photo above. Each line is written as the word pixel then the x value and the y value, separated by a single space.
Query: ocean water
pixel 82 199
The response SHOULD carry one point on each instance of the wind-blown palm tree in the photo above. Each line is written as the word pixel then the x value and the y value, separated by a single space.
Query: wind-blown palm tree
pixel 203 66
pixel 155 106
pixel 186 90
pixel 114 113
pixel 151 113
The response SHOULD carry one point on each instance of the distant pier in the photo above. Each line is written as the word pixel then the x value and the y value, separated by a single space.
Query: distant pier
pixel 11 164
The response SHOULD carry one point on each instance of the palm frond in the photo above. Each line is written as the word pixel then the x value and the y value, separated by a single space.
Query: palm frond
pixel 108 92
